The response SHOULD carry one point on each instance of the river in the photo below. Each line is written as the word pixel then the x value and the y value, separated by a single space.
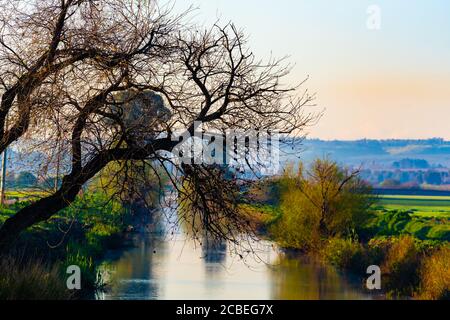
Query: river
pixel 162 264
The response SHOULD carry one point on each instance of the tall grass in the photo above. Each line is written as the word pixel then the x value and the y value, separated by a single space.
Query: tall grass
pixel 90 275
pixel 31 280
pixel 435 276
pixel 401 267
pixel 410 267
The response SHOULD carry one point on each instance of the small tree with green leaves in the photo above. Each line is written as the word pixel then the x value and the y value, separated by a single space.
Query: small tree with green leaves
pixel 325 201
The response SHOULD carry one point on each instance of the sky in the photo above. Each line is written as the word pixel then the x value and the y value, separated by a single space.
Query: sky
pixel 381 83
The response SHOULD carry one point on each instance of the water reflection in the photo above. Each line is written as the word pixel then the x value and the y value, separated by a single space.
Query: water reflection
pixel 304 278
pixel 159 267
pixel 214 256
pixel 132 273
pixel 162 264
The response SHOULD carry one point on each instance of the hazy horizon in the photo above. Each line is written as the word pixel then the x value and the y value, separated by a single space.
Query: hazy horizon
pixel 391 83
pixel 376 139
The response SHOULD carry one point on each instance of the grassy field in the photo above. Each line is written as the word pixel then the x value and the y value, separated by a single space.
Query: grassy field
pixel 421 206
pixel 424 217
pixel 25 193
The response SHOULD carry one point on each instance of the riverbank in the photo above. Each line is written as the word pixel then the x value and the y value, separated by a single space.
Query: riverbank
pixel 412 251
pixel 79 235
pixel 410 267
pixel 82 233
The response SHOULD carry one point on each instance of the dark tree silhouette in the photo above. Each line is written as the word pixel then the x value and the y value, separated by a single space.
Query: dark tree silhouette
pixel 70 69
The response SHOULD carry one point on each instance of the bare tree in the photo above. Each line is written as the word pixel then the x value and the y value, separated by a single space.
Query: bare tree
pixel 70 69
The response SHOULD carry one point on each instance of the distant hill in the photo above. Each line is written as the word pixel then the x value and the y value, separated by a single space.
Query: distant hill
pixel 399 163
pixel 371 152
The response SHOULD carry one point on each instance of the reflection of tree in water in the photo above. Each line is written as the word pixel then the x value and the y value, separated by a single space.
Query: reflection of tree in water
pixel 214 254
pixel 303 278
pixel 214 251
pixel 134 271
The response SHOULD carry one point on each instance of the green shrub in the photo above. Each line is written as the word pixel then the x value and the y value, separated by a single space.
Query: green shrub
pixel 377 249
pixel 261 216
pixel 298 225
pixel 439 232
pixel 395 223
pixel 346 254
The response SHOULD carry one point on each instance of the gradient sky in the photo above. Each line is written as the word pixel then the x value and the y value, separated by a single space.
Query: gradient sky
pixel 389 83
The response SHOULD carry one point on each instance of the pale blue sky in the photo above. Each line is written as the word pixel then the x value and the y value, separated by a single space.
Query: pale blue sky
pixel 390 83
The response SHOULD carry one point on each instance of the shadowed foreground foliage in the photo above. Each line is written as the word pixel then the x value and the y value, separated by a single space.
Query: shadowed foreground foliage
pixel 78 235
pixel 31 281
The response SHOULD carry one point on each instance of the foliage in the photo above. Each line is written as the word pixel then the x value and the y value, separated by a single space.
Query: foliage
pixel 401 267
pixel 261 215
pixel 131 181
pixel 90 275
pixel 435 275
pixel 410 267
pixel 209 204
pixel 397 222
pixel 345 254
pixel 327 201
pixel 95 208
pixel 94 222
pixel 298 225
pixel 31 280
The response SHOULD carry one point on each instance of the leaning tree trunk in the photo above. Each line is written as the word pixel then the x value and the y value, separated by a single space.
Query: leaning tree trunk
pixel 45 208
pixel 71 184
pixel 37 212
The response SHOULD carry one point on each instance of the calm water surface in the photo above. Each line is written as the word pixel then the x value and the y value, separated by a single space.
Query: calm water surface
pixel 161 266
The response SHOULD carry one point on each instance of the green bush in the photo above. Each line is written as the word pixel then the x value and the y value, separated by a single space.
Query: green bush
pixel 298 225
pixel 90 275
pixel 346 254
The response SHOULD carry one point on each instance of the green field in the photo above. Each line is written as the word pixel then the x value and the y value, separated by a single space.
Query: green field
pixel 424 217
pixel 423 206
pixel 25 193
